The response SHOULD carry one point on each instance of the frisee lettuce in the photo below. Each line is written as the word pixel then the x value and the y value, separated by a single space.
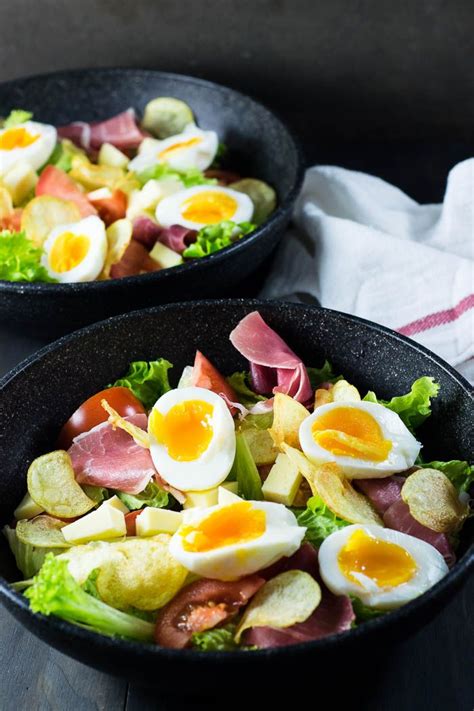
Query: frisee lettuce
pixel 241 384
pixel 220 639
pixel 20 260
pixel 414 407
pixel 147 380
pixel 245 472
pixel 325 374
pixel 17 117
pixel 151 495
pixel 461 474
pixel 318 520
pixel 213 238
pixel 189 178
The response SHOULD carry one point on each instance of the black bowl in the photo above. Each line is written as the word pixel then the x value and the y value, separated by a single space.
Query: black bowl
pixel 259 145
pixel 40 394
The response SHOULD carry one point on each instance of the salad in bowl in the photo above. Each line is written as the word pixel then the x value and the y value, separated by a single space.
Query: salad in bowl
pixel 248 510
pixel 116 198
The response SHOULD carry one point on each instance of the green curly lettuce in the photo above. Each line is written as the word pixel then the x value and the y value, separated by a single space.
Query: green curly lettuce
pixel 414 407
pixel 318 520
pixel 240 382
pixel 151 495
pixel 325 374
pixel 17 117
pixel 213 238
pixel 189 178
pixel 220 639
pixel 20 260
pixel 147 380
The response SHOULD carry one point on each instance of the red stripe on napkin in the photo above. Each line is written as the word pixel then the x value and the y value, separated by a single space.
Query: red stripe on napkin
pixel 439 318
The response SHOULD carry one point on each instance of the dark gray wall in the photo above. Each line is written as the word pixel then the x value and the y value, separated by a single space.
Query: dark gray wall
pixel 344 72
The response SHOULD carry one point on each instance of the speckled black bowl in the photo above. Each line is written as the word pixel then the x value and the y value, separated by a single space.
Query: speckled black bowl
pixel 41 393
pixel 259 146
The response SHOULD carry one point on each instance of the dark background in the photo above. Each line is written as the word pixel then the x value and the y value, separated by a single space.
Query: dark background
pixel 385 87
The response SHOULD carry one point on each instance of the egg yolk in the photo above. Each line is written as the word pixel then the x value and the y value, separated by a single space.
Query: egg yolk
pixel 68 251
pixel 186 430
pixel 385 563
pixel 176 147
pixel 209 207
pixel 16 138
pixel 350 432
pixel 237 523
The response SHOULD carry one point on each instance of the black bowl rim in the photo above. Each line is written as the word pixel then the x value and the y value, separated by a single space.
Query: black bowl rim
pixel 327 644
pixel 9 287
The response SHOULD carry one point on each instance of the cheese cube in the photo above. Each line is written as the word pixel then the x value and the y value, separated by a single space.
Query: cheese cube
pixel 227 493
pixel 27 508
pixel 110 155
pixel 104 523
pixel 283 481
pixel 152 521
pixel 20 180
pixel 117 504
pixel 165 256
pixel 200 499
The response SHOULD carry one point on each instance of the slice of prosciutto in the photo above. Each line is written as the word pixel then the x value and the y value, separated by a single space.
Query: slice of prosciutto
pixel 333 614
pixel 177 237
pixel 145 231
pixel 111 458
pixel 381 492
pixel 120 130
pixel 272 363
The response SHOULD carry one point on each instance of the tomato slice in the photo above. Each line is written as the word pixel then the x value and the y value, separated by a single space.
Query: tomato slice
pixel 112 208
pixel 91 413
pixel 130 522
pixel 54 181
pixel 206 375
pixel 201 606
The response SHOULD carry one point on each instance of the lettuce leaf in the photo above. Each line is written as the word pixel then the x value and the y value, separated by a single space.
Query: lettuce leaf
pixel 325 374
pixel 363 612
pixel 189 178
pixel 20 259
pixel 151 495
pixel 241 384
pixel 213 238
pixel 220 639
pixel 318 520
pixel 16 117
pixel 414 407
pixel 147 380
pixel 460 473
pixel 28 558
pixel 64 153
pixel 245 472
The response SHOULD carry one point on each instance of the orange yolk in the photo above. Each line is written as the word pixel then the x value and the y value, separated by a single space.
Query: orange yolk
pixel 386 563
pixel 237 523
pixel 209 207
pixel 350 432
pixel 68 251
pixel 166 152
pixel 16 138
pixel 185 430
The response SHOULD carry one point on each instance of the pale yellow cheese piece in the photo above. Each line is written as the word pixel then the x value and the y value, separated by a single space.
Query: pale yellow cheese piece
pixel 20 180
pixel 165 256
pixel 116 503
pixel 152 521
pixel 200 499
pixel 227 493
pixel 103 524
pixel 282 482
pixel 110 155
pixel 27 508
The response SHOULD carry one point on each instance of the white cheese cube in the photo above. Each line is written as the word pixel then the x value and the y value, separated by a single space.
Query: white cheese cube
pixel 27 508
pixel 117 504
pixel 103 524
pixel 110 155
pixel 200 499
pixel 165 256
pixel 152 521
pixel 20 181
pixel 282 482
pixel 227 493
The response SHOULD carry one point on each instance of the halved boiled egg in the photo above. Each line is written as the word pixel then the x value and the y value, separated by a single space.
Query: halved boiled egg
pixel 366 439
pixel 382 567
pixel 204 205
pixel 76 252
pixel 29 142
pixel 193 148
pixel 228 541
pixel 192 438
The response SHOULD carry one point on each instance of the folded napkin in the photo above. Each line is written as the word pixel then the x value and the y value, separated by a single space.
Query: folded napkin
pixel 362 246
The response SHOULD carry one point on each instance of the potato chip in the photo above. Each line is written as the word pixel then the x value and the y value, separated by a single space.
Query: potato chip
pixel 433 501
pixel 6 204
pixel 288 414
pixel 53 486
pixel 44 213
pixel 166 116
pixel 262 195
pixel 83 559
pixel 261 445
pixel 285 600
pixel 119 236
pixel 322 397
pixel 345 392
pixel 337 492
pixel 140 437
pixel 92 176
pixel 42 532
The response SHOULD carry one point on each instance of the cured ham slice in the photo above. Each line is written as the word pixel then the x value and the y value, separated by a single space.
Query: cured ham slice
pixel 107 457
pixel 120 130
pixel 54 181
pixel 262 347
pixel 381 492
pixel 145 231
pixel 177 237
pixel 201 606
pixel 135 260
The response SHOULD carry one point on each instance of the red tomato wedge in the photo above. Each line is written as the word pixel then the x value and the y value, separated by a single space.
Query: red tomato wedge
pixel 205 375
pixel 57 183
pixel 112 208
pixel 91 413
pixel 130 522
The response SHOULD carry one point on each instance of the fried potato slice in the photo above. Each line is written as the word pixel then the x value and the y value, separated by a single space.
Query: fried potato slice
pixel 44 213
pixel 288 414
pixel 433 501
pixel 42 532
pixel 93 177
pixel 119 236
pixel 344 392
pixel 6 203
pixel 337 492
pixel 166 116
pixel 283 601
pixel 261 194
pixel 140 437
pixel 261 445
pixel 322 397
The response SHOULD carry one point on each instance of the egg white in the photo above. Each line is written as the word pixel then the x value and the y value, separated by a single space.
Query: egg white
pixel 169 210
pixel 37 153
pixel 213 466
pixel 431 567
pixel 198 156
pixel 402 456
pixel 282 537
pixel 92 264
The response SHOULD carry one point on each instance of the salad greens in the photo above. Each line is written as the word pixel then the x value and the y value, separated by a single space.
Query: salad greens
pixel 241 384
pixel 20 260
pixel 320 522
pixel 220 639
pixel 213 238
pixel 245 472
pixel 151 495
pixel 54 591
pixel 325 374
pixel 28 558
pixel 189 178
pixel 460 473
pixel 16 117
pixel 414 407
pixel 147 380
pixel 363 612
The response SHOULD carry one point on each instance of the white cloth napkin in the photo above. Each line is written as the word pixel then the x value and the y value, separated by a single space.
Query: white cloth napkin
pixel 362 246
